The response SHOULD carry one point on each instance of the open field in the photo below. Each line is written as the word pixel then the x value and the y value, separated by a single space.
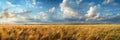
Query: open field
pixel 60 32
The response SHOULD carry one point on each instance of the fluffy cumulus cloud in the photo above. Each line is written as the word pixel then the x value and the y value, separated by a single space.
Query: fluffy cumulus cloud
pixel 72 8
pixel 67 10
pixel 72 14
pixel 92 15
pixel 93 12
pixel 69 13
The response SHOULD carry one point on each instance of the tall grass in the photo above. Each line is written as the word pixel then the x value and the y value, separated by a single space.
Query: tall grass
pixel 60 32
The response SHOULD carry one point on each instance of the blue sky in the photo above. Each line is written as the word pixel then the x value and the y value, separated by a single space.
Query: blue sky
pixel 59 11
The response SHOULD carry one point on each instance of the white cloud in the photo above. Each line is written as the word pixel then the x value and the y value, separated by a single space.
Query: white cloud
pixel 31 5
pixel 112 18
pixel 67 10
pixel 4 14
pixel 91 4
pixel 7 21
pixel 93 13
pixel 92 10
pixel 44 16
pixel 36 17
pixel 107 1
pixel 12 17
pixel 12 14
pixel 70 12
pixel 21 10
pixel 97 16
pixel 34 2
pixel 10 4
pixel 52 9
pixel 111 2
pixel 7 17
pixel 78 1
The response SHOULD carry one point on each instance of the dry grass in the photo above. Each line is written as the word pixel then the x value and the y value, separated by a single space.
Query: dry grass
pixel 60 32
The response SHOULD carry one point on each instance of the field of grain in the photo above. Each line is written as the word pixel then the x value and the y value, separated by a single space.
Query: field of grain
pixel 60 32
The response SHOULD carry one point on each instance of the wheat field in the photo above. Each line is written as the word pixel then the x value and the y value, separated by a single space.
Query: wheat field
pixel 60 32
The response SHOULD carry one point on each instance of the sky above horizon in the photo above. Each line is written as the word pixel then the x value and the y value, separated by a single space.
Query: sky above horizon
pixel 59 11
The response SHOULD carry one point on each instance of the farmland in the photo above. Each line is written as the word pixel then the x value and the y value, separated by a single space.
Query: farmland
pixel 60 32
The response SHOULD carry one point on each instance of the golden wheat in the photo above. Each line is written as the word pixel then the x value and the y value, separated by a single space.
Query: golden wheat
pixel 60 32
